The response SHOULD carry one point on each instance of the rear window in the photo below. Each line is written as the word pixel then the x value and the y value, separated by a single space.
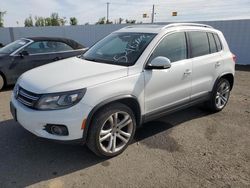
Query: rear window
pixel 218 43
pixel 199 43
pixel 47 47
pixel 212 44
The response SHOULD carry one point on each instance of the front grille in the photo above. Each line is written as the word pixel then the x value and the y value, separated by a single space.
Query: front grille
pixel 27 98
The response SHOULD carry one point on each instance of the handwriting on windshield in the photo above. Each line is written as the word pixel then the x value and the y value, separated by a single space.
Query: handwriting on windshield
pixel 132 47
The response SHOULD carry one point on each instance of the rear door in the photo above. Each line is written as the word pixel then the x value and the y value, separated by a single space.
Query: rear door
pixel 205 60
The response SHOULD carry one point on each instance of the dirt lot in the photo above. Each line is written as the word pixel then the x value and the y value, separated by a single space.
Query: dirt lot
pixel 191 148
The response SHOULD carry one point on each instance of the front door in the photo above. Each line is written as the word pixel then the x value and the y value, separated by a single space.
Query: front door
pixel 168 88
pixel 37 54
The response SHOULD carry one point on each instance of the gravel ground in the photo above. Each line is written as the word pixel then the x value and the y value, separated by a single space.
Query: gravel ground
pixel 191 148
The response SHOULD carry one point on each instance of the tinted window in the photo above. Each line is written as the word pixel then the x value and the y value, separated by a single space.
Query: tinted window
pixel 119 48
pixel 212 44
pixel 218 43
pixel 13 46
pixel 199 43
pixel 47 47
pixel 173 47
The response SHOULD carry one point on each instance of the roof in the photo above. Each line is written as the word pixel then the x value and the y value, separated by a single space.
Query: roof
pixel 152 28
pixel 70 42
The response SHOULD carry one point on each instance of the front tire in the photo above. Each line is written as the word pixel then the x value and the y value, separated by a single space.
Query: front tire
pixel 111 130
pixel 219 96
pixel 1 82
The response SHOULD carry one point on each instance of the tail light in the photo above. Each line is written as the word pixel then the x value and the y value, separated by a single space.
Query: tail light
pixel 234 57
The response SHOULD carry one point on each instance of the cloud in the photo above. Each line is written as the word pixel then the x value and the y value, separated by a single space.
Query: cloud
pixel 90 11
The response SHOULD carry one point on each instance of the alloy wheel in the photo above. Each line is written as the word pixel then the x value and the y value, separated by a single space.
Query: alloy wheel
pixel 116 132
pixel 222 95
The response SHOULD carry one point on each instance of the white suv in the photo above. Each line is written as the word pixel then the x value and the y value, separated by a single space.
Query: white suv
pixel 132 76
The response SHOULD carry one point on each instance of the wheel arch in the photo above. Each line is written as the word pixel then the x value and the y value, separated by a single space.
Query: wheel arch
pixel 227 76
pixel 128 100
pixel 230 78
pixel 4 78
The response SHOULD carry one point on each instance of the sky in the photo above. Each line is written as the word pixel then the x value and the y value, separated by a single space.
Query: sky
pixel 89 11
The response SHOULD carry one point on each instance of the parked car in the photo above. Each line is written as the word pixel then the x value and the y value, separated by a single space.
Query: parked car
pixel 1 45
pixel 132 76
pixel 27 53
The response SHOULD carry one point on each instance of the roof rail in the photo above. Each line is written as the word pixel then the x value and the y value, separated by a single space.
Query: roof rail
pixel 186 24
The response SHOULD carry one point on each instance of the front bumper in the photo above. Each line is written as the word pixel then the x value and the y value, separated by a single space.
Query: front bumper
pixel 35 121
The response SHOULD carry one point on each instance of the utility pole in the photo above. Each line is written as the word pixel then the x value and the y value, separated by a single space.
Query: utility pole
pixel 153 14
pixel 108 12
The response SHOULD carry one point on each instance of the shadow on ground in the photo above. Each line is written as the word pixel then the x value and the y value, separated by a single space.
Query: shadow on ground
pixel 8 88
pixel 26 159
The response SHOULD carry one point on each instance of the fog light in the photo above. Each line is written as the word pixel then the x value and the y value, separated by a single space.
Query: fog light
pixel 59 130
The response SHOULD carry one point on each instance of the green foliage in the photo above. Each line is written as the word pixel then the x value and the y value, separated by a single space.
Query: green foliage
pixel 73 21
pixel 39 21
pixel 53 20
pixel 120 20
pixel 28 22
pixel 1 18
pixel 101 20
pixel 130 21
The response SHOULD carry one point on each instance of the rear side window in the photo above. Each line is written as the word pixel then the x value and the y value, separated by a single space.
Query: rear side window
pixel 199 43
pixel 218 43
pixel 173 47
pixel 212 44
pixel 47 47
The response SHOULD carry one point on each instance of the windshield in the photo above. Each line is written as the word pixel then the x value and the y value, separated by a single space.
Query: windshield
pixel 119 48
pixel 13 46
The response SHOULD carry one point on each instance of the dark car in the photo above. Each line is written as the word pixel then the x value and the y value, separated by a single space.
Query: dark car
pixel 27 53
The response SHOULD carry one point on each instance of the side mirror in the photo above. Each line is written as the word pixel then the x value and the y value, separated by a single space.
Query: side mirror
pixel 24 53
pixel 159 62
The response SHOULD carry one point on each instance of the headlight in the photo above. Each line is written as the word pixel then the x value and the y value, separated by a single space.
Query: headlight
pixel 16 90
pixel 60 100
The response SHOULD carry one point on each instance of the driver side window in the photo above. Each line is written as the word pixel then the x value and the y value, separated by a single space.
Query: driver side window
pixel 173 47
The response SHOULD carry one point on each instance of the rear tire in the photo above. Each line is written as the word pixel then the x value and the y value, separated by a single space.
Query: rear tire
pixel 111 130
pixel 1 82
pixel 219 96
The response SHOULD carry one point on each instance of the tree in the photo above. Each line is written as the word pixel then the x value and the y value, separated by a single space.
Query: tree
pixel 101 20
pixel 120 20
pixel 39 21
pixel 53 20
pixel 130 21
pixel 28 22
pixel 73 21
pixel 48 21
pixel 1 18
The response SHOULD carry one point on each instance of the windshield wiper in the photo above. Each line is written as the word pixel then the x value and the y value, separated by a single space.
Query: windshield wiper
pixel 91 59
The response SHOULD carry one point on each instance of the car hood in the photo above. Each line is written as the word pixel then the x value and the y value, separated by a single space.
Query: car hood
pixel 69 74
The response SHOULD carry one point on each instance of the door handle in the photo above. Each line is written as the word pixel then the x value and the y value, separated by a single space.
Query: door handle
pixel 217 64
pixel 187 72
